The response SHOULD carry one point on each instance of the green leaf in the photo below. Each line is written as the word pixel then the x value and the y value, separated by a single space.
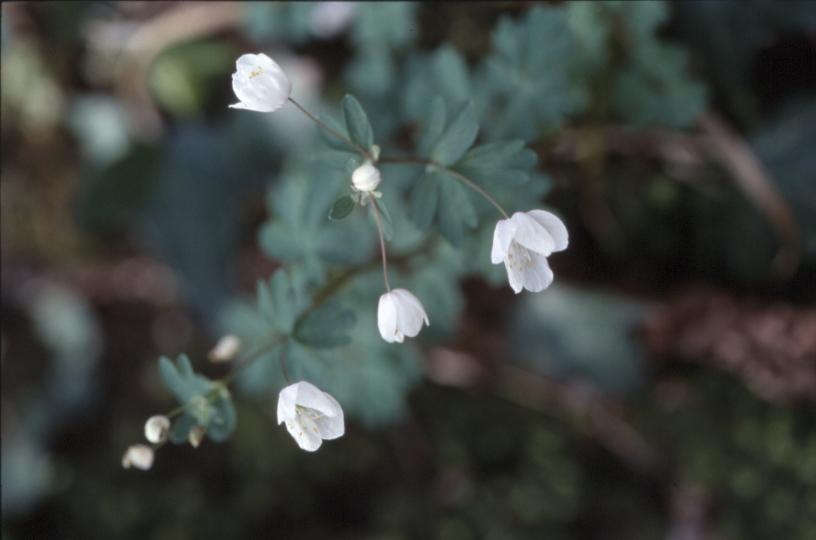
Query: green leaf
pixel 330 138
pixel 357 124
pixel 434 126
pixel 458 136
pixel 326 327
pixel 223 418
pixel 170 376
pixel 181 380
pixel 279 301
pixel 498 164
pixel 341 208
pixel 456 212
pixel 424 198
pixel 528 77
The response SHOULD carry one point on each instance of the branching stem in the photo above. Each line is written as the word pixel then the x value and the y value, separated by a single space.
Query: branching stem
pixel 456 174
pixel 363 152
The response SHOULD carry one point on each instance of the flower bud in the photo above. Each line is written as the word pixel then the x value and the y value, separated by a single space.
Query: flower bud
pixel 196 435
pixel 366 177
pixel 156 428
pixel 139 456
pixel 226 349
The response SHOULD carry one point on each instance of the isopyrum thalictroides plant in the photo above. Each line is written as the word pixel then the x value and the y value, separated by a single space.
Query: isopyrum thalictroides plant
pixel 374 232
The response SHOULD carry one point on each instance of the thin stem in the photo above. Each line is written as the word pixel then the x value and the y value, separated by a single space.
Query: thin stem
pixel 456 174
pixel 282 360
pixel 365 153
pixel 249 359
pixel 378 219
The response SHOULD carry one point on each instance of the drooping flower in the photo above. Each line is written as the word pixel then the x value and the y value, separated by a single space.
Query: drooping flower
pixel 400 314
pixel 366 177
pixel 156 428
pixel 311 415
pixel 523 244
pixel 139 456
pixel 260 84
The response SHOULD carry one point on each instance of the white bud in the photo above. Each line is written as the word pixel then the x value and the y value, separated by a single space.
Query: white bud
pixel 139 456
pixel 366 177
pixel 196 435
pixel 226 349
pixel 156 428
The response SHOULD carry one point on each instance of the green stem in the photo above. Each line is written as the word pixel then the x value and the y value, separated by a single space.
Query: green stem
pixel 456 174
pixel 363 152
pixel 378 219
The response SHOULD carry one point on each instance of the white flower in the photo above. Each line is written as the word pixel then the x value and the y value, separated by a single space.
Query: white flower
pixel 260 84
pixel 330 18
pixel 156 428
pixel 523 244
pixel 366 177
pixel 400 314
pixel 196 435
pixel 226 349
pixel 139 456
pixel 311 415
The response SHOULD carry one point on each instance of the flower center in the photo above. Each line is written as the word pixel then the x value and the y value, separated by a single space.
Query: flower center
pixel 255 72
pixel 518 257
pixel 307 418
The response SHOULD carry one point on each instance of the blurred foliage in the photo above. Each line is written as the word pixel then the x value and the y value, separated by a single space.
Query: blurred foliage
pixel 97 169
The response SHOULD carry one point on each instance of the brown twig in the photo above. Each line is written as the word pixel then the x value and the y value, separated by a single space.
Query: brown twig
pixel 734 153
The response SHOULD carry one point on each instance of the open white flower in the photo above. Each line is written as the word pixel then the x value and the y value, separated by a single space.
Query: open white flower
pixel 366 177
pixel 260 84
pixel 139 456
pixel 311 415
pixel 523 244
pixel 400 314
pixel 156 428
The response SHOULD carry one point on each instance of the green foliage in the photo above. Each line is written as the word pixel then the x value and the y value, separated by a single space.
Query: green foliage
pixel 442 74
pixel 205 403
pixel 619 53
pixel 299 231
pixel 528 75
pixel 326 327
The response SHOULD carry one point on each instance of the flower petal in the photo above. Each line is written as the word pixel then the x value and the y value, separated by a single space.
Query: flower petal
pixel 332 427
pixel 515 277
pixel 538 275
pixel 312 397
pixel 308 439
pixel 260 83
pixel 287 401
pixel 532 235
pixel 554 226
pixel 410 312
pixel 502 236
pixel 387 318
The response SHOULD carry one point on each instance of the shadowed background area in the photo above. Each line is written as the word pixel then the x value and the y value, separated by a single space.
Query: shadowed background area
pixel 662 388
